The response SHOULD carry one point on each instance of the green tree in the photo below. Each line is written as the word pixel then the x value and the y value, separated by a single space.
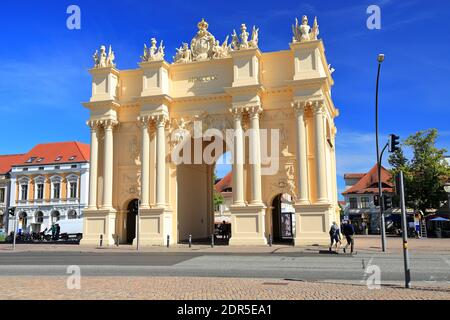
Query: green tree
pixel 425 174
pixel 217 196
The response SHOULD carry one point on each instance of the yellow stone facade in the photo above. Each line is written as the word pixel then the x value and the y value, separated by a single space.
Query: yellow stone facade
pixel 133 114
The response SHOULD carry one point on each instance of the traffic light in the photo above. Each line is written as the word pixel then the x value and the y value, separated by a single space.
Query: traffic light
pixel 11 211
pixel 376 200
pixel 387 202
pixel 394 141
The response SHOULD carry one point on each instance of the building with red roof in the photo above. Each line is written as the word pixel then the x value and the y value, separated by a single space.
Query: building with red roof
pixel 49 183
pixel 225 187
pixel 6 163
pixel 359 195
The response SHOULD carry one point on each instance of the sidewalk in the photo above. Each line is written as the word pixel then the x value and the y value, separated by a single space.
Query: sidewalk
pixel 363 244
pixel 175 288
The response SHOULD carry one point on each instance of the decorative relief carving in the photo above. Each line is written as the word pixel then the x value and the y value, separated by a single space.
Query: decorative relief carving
pixel 103 59
pixel 180 129
pixel 153 53
pixel 220 122
pixel 130 184
pixel 134 150
pixel 284 182
pixel 304 32
pixel 278 115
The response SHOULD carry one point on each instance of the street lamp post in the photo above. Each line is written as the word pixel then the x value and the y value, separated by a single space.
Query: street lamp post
pixel 380 190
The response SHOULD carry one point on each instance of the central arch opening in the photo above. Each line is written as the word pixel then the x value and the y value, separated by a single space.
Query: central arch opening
pixel 195 192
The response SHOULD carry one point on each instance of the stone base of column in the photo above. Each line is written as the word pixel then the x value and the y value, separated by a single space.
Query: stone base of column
pixel 96 223
pixel 248 225
pixel 312 223
pixel 155 224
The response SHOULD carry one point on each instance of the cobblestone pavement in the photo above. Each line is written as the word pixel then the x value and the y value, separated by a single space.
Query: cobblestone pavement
pixel 171 288
pixel 367 244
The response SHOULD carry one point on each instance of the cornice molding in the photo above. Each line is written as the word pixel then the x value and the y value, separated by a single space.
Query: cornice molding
pixel 101 104
pixel 252 88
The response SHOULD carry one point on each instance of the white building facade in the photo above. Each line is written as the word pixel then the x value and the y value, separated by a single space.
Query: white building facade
pixel 47 189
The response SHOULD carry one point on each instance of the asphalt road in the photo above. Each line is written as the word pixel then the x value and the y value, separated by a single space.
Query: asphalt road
pixel 299 266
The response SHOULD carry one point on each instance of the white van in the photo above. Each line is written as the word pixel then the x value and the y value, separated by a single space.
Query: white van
pixel 69 229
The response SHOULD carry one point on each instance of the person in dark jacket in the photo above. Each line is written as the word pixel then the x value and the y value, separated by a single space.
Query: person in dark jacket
pixel 58 230
pixel 335 236
pixel 349 232
pixel 53 228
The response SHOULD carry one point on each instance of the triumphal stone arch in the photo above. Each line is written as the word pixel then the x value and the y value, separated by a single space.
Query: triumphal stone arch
pixel 158 130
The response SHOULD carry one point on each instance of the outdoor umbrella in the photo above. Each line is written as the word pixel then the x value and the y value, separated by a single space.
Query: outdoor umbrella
pixel 439 219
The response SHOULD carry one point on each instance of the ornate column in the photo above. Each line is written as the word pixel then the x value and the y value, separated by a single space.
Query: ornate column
pixel 145 163
pixel 93 165
pixel 302 157
pixel 320 152
pixel 161 121
pixel 108 164
pixel 255 155
pixel 238 159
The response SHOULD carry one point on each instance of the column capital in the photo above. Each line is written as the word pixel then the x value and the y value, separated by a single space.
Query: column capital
pixel 109 124
pixel 237 112
pixel 318 107
pixel 254 111
pixel 144 121
pixel 93 124
pixel 300 106
pixel 160 120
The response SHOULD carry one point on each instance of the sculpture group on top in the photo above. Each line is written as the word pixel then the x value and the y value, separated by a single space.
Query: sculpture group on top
pixel 304 32
pixel 204 45
pixel 103 59
pixel 153 53
pixel 244 42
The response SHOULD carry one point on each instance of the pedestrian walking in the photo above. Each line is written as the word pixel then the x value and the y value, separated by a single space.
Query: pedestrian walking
pixel 349 232
pixel 335 236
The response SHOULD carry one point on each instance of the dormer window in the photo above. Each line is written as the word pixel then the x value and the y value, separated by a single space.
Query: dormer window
pixel 31 159
pixel 40 160
pixel 58 158
pixel 72 158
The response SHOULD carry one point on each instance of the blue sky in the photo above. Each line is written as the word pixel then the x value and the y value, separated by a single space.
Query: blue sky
pixel 43 71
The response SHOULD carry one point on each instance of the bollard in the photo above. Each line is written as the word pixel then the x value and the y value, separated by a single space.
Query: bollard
pixel 212 240
pixel 117 240
pixel 168 241
pixel 190 241
pixel 101 240
pixel 270 240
